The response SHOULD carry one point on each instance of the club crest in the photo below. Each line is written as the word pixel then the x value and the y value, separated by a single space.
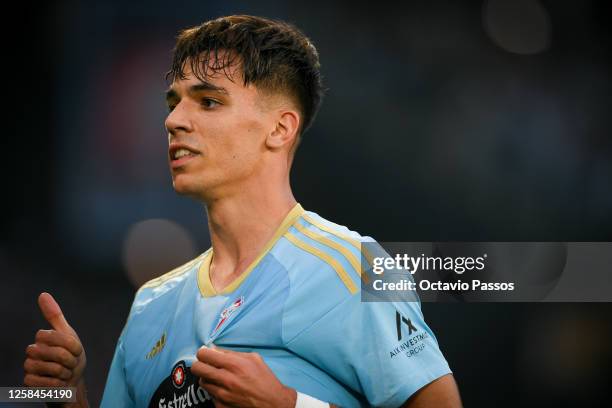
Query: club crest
pixel 227 312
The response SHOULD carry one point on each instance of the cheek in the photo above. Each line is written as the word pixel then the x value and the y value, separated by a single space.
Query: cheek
pixel 242 140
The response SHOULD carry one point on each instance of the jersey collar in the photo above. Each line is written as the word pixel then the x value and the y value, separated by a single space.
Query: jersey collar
pixel 204 283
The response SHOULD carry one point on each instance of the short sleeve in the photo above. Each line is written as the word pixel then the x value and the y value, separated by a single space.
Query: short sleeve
pixel 116 392
pixel 382 350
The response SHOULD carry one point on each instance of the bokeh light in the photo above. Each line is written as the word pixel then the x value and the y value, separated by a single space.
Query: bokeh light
pixel 153 247
pixel 518 26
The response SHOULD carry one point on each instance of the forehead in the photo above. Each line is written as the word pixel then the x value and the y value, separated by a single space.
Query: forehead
pixel 224 76
pixel 218 72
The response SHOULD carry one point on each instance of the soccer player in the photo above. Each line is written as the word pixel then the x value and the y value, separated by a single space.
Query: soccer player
pixel 271 315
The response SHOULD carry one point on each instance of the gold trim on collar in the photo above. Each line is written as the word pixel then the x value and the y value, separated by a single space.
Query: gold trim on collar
pixel 204 283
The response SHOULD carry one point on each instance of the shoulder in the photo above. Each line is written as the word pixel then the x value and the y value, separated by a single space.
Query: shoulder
pixel 326 264
pixel 317 252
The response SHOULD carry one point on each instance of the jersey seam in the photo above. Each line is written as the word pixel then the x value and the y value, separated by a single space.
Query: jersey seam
pixel 282 325
pixel 288 342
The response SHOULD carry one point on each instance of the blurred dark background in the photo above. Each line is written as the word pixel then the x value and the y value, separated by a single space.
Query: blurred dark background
pixel 444 120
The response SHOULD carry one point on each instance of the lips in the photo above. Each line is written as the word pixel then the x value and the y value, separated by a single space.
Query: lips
pixel 180 154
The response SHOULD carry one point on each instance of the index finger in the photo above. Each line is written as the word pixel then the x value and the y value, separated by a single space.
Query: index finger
pixel 219 359
pixel 55 338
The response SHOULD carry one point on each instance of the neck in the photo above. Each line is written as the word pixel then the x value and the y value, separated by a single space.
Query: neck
pixel 240 226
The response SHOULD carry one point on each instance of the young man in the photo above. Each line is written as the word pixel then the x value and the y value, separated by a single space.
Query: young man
pixel 271 315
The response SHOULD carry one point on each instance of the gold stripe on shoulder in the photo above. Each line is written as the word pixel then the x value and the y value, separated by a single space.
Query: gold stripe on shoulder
pixel 346 238
pixel 332 244
pixel 342 274
pixel 173 273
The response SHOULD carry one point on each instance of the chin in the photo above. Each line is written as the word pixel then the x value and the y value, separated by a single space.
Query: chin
pixel 182 186
pixel 185 186
pixel 181 189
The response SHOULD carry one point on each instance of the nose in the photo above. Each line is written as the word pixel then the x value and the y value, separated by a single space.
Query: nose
pixel 178 120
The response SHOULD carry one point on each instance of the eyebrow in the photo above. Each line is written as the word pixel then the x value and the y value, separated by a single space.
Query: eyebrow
pixel 202 86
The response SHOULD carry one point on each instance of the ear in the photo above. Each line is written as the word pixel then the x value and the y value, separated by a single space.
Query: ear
pixel 285 132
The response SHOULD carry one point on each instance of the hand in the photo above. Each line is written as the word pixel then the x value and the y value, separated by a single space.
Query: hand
pixel 57 358
pixel 240 380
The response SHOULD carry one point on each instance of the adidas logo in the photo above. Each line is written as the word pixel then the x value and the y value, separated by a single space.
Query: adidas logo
pixel 157 347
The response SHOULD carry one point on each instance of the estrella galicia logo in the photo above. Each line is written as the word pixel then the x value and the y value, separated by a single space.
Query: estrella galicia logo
pixel 180 389
pixel 399 319
pixel 178 375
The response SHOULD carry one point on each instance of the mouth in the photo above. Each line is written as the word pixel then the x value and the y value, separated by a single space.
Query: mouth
pixel 180 155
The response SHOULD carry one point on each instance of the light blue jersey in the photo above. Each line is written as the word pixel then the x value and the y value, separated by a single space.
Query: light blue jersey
pixel 298 305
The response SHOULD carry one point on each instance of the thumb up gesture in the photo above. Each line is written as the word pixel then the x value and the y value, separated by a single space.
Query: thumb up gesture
pixel 57 358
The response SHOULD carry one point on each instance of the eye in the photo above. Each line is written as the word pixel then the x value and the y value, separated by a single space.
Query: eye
pixel 209 103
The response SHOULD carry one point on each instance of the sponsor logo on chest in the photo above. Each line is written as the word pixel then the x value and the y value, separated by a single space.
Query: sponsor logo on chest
pixel 180 390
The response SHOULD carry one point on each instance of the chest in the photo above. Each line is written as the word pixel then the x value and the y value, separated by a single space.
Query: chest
pixel 163 339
